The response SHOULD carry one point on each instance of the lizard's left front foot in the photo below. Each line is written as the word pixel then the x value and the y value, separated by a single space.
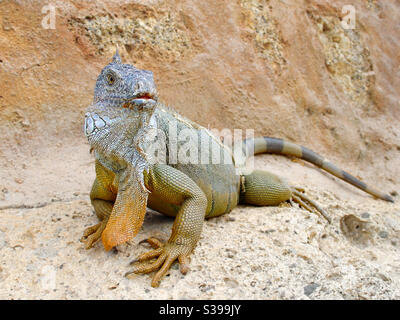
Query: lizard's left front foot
pixel 93 233
pixel 166 254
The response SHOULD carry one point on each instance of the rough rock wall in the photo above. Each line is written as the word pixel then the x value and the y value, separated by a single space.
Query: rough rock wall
pixel 284 68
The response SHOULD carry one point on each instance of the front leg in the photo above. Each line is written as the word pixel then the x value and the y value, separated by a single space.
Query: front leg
pixel 102 196
pixel 120 202
pixel 173 186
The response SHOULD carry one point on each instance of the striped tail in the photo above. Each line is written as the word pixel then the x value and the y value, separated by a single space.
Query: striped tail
pixel 279 146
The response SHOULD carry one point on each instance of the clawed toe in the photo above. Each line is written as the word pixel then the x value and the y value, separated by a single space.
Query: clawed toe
pixel 154 242
pixel 308 204
pixel 92 234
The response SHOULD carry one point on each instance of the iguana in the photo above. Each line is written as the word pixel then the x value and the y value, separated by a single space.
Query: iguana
pixel 119 123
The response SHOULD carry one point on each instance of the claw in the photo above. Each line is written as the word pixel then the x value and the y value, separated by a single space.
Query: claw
pixel 92 234
pixel 150 255
pixel 183 264
pixel 162 272
pixel 300 189
pixel 90 230
pixel 154 242
pixel 129 275
pixel 300 198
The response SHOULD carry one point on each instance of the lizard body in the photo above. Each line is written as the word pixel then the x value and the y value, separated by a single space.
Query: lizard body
pixel 118 125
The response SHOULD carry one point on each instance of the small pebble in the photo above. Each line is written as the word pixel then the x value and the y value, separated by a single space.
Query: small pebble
pixel 383 234
pixel 309 289
pixel 365 215
pixel 113 287
pixel 283 293
pixel 232 283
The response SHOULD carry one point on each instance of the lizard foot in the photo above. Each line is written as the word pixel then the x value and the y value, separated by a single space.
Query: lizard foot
pixel 299 197
pixel 93 233
pixel 166 254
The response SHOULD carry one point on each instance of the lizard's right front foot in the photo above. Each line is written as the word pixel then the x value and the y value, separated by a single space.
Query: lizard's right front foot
pixel 93 233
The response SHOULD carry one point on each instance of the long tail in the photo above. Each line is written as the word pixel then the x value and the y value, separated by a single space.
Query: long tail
pixel 279 146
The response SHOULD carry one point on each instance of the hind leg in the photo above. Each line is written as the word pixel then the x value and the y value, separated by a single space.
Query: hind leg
pixel 262 188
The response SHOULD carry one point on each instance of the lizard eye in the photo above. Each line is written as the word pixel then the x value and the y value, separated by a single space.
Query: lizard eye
pixel 110 79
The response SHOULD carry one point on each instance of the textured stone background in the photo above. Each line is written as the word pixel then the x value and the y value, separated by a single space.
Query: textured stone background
pixel 284 68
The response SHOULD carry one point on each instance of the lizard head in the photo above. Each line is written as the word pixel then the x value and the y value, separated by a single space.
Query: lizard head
pixel 122 85
pixel 123 97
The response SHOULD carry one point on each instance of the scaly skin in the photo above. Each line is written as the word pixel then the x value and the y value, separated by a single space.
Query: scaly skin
pixel 118 126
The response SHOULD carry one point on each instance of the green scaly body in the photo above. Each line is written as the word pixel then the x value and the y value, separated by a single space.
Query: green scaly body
pixel 190 192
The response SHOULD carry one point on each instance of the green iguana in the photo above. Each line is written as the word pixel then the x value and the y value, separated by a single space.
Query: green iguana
pixel 119 125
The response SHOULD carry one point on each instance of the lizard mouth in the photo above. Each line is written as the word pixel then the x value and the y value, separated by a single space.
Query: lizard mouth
pixel 143 98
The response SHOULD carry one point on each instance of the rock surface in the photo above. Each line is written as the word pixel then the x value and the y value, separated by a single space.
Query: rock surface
pixel 283 68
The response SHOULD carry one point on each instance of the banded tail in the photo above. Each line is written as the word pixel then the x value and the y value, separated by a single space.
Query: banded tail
pixel 282 147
